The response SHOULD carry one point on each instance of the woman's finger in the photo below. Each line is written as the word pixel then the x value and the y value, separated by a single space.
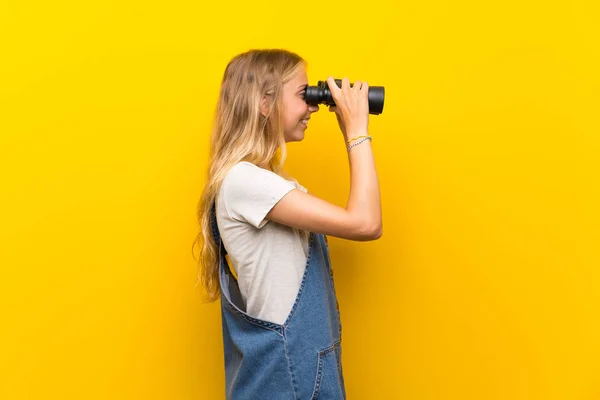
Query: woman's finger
pixel 333 87
pixel 345 84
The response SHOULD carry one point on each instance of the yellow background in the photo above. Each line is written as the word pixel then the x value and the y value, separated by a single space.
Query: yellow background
pixel 485 284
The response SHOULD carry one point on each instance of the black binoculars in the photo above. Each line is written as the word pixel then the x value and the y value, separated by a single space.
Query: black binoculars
pixel 321 94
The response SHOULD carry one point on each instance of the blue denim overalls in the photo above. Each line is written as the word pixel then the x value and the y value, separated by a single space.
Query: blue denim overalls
pixel 301 359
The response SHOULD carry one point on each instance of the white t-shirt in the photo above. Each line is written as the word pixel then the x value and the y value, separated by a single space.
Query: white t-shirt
pixel 268 258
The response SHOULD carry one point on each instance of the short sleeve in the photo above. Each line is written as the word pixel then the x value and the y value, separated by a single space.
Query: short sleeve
pixel 251 192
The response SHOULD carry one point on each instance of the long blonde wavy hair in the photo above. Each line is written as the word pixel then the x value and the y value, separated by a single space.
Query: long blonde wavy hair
pixel 241 132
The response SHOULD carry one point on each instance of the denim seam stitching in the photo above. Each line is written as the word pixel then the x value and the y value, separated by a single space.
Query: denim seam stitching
pixel 273 327
pixel 289 364
pixel 304 278
pixel 319 376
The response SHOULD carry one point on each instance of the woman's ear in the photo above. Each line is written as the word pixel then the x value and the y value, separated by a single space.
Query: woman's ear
pixel 264 109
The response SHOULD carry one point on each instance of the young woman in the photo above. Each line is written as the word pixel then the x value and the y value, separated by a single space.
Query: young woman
pixel 280 317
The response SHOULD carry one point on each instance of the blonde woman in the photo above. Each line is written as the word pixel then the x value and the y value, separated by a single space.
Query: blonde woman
pixel 280 316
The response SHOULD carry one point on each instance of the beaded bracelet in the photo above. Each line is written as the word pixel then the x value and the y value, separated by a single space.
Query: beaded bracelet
pixel 369 138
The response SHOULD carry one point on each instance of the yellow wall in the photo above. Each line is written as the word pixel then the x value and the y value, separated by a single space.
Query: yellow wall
pixel 484 284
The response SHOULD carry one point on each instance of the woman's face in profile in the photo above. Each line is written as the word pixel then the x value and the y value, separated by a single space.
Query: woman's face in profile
pixel 296 112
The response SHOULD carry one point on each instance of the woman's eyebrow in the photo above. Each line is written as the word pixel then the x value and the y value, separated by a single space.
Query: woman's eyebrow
pixel 303 86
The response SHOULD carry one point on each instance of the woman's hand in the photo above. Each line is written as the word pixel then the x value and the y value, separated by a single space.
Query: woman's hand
pixel 351 107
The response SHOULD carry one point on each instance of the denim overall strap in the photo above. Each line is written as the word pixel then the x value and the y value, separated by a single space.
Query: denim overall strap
pixel 300 359
pixel 233 287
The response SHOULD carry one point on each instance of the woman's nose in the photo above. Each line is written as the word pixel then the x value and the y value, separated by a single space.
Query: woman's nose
pixel 313 108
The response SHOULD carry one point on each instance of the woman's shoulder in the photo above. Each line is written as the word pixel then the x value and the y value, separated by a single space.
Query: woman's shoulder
pixel 244 170
pixel 246 173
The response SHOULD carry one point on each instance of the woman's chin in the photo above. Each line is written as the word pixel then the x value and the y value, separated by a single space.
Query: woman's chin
pixel 297 135
pixel 302 130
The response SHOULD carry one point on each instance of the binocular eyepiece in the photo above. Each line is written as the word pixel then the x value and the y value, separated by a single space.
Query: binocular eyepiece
pixel 321 94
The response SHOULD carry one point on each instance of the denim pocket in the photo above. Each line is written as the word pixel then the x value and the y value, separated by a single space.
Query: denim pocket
pixel 329 382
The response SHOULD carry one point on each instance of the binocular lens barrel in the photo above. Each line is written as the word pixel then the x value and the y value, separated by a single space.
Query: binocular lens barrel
pixel 321 94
